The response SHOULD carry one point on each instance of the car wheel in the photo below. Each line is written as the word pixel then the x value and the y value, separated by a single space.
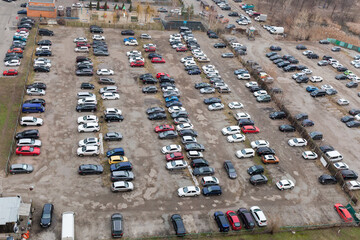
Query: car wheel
pixel 26 172
pixel 94 154
pixel 292 188
pixel 82 131
pixel 20 154
pixel 81 155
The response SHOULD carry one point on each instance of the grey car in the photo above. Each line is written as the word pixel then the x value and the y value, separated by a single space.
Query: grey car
pixel 107 81
pixel 229 168
pixel 201 171
pixel 168 135
pixel 117 228
pixel 113 136
pixel 122 175
pixel 258 179
pixel 227 55
pixel 21 168
pixel 207 90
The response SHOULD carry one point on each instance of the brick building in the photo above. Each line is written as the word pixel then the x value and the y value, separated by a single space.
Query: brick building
pixel 41 8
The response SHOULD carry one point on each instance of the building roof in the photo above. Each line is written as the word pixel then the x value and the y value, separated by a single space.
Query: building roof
pixel 41 1
pixel 9 209
pixel 41 8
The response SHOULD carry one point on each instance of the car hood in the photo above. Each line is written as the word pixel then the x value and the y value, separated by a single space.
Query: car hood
pixel 45 222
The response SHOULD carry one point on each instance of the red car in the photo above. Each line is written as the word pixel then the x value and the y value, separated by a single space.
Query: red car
pixel 137 64
pixel 15 50
pixel 150 49
pixel 181 49
pixel 83 44
pixel 10 72
pixel 159 75
pixel 157 60
pixel 165 127
pixel 26 150
pixel 174 156
pixel 343 212
pixel 250 129
pixel 233 220
pixel 102 7
pixel 22 29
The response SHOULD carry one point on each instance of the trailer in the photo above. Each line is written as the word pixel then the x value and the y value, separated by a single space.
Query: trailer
pixel 277 30
pixel 261 18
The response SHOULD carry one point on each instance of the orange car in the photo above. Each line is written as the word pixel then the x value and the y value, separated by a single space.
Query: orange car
pixel 15 50
pixel 270 159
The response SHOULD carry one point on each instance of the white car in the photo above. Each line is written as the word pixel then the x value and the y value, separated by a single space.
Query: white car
pixel 353 185
pixel 207 67
pixel 131 43
pixel 259 216
pixel 178 45
pixel 91 141
pixel 188 139
pixel 77 5
pixel 194 154
pixel 28 142
pixel 42 59
pixel 251 84
pixel 215 106
pixel 88 151
pixel 13 63
pixel 306 71
pixel 203 59
pixel 41 48
pixel 188 58
pixel 35 92
pixel 104 72
pixel 80 39
pixel 169 88
pixel 171 149
pixel 41 63
pixel 245 153
pixel 241 115
pixel 82 49
pixel 175 165
pixel 145 36
pixel 31 121
pixel 87 119
pixel 149 45
pixel 235 105
pixel 309 155
pixel 259 143
pixel 189 191
pixel 307 52
pixel 211 70
pixel 236 138
pixel 260 93
pixel 87 100
pixel 98 37
pixel 357 116
pixel 136 58
pixel 112 111
pixel 316 79
pixel 297 75
pixel 110 96
pixel 285 184
pixel 189 63
pixel 133 52
pixel 173 109
pixel 89 127
pixel 297 142
pixel 230 130
pixel 341 166
pixel 244 76
pixel 184 126
pixel 207 90
pixel 326 87
pixel 343 102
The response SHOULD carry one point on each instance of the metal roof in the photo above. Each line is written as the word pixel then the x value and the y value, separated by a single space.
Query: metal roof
pixel 41 1
pixel 41 8
pixel 9 209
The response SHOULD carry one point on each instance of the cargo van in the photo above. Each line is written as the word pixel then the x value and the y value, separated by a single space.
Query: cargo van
pixel 33 108
pixel 68 226
pixel 334 156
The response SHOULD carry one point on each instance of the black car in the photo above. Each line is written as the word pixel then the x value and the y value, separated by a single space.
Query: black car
pixel 325 57
pixel 83 66
pixel 327 179
pixel 312 56
pixel 307 123
pixel 154 55
pixel 219 45
pixel 113 136
pixel 256 169
pixel 39 85
pixel 168 135
pixel 326 148
pixel 301 47
pixel 222 221
pixel 44 43
pixel 352 84
pixel 84 72
pixel 353 124
pixel 277 61
pixel 117 226
pixel 286 128
pixel 122 175
pixel 258 179
pixel 46 215
pixel 341 69
pixel 146 75
pixel 316 135
pixel 270 54
pixel 283 64
pixel 149 80
pixel 275 48
pixel 301 116
pixel 212 100
pixel 255 88
pixel 354 111
pixel 128 32
pixel 155 110
pixel 230 170
pixel 233 14
pixel 188 132
pixel 87 169
pixel 290 68
pixel 246 218
pixel 265 151
pixel 45 32
pixel 178 225
pixel 82 59
pixel 96 30
pixel 150 89
pixel 341 77
pixel 302 79
pixel 213 35
pixel 203 171
pixel 277 115
pixel 195 71
pixel 14 55
pixel 36 100
pixel 173 103
pixel 101 53
pixel 349 174
pixel 201 85
pixel 107 81
pixel 89 107
pixel 86 85
pixel 113 117
pixel 293 61
pixel 31 133
pixel 43 53
pixel 212 190
pixel 274 57
pixel 301 67
pixel 199 162
pixel 246 122
pixel 11 58
pixel 157 116
pixel 191 67
pixel 346 119
pixel 41 69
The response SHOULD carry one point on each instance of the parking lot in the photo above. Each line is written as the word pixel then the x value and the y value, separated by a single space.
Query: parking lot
pixel 148 207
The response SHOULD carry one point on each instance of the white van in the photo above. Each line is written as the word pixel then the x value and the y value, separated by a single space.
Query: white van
pixel 68 226
pixel 334 156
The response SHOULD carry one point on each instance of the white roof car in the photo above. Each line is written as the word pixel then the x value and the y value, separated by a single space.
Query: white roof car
pixel 91 141
pixel 89 127
pixel 31 121
pixel 236 138
pixel 316 79
pixel 42 63
pixel 209 66
pixel 306 71
pixel 184 126
pixel 13 63
pixel 241 115
pixel 88 151
pixel 171 149
pixel 132 42
pixel 235 105
pixel 82 49
pixel 259 143
pixel 149 45
pixel 42 59
pixel 309 155
pixel 43 48
pixel 108 89
pixel 215 106
pixel 260 93
pixel 173 109
pixel 357 116
pixel 122 186
pixel 35 92
pixel 297 142
pixel 175 165
pixel 285 184
pixel 133 52
pixel 244 76
pixel 80 39
pixel 134 58
pixel 98 37
pixel 342 102
pixel 110 96
pixel 194 154
pixel 145 36
pixel 188 58
pixel 88 119
pixel 251 84
pixel 28 142
pixel 245 153
pixel 259 216
pixel 353 185
pixel 104 72
pixel 188 139
pixel 326 87
pixel 230 130
pixel 112 111
pixel 87 100
pixel 341 166
pixel 189 191
pixel 296 75
pixel 209 180
pixel 189 63
pixel 203 58
pixel 307 52
pixel 169 88
pixel 85 95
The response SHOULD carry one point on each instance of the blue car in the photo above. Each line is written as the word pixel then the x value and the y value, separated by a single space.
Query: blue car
pixel 212 190
pixel 23 11
pixel 121 166
pixel 129 39
pixel 240 71
pixel 172 98
pixel 174 103
pixel 194 72
pixel 19 38
pixel 115 152
pixel 311 88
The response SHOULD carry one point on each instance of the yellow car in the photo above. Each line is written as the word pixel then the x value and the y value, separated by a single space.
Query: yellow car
pixel 117 159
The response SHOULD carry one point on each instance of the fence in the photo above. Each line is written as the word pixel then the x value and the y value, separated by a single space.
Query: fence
pixel 22 98
pixel 344 44
pixel 141 26
pixel 174 25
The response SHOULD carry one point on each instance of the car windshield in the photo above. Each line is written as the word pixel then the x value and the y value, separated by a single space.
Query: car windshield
pixel 46 215
pixel 185 189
